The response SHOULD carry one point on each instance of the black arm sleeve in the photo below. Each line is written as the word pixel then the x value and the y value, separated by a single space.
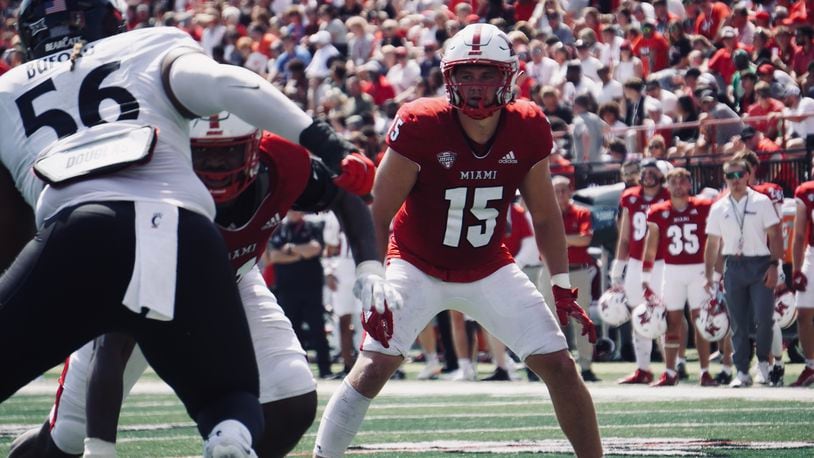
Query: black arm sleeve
pixel 322 194
pixel 354 216
pixel 326 144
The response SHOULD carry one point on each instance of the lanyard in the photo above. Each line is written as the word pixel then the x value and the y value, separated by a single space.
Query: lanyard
pixel 741 219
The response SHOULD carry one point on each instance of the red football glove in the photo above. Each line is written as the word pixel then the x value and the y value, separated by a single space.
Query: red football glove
pixel 565 301
pixel 799 281
pixel 379 325
pixel 357 174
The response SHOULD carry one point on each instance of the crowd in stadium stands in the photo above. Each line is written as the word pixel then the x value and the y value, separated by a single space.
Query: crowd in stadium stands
pixel 591 64
pixel 665 79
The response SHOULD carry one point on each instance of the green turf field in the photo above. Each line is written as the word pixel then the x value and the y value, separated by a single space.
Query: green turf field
pixel 438 418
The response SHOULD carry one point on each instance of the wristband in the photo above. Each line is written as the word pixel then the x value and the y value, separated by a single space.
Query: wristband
pixel 647 265
pixel 561 280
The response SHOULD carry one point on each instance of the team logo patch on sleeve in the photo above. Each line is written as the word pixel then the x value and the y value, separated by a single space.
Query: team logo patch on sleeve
pixel 446 159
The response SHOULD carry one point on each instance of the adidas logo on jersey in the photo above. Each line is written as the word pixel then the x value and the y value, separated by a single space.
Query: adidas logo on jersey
pixel 508 158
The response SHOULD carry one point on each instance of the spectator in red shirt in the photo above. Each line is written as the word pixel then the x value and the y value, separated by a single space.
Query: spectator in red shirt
pixel 374 83
pixel 765 104
pixel 653 49
pixel 711 17
pixel 523 9
pixel 757 142
pixel 721 62
pixel 785 49
pixel 804 53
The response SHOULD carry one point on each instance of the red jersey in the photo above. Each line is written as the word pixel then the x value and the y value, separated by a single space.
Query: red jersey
pixel 452 223
pixel 708 26
pixel 520 229
pixel 248 240
pixel 654 53
pixel 637 205
pixel 682 234
pixel 775 106
pixel 805 193
pixel 577 221
pixel 771 190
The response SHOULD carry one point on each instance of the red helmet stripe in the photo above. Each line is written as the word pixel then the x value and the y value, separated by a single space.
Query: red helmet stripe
pixel 475 51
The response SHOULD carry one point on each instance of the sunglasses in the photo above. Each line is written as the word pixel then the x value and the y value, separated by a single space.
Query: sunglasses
pixel 735 175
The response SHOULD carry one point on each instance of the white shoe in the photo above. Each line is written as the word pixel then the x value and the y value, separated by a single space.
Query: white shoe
pixel 462 375
pixel 229 439
pixel 430 370
pixel 742 380
pixel 762 375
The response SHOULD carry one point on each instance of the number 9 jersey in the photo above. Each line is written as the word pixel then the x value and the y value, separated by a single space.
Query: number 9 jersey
pixel 113 85
pixel 457 207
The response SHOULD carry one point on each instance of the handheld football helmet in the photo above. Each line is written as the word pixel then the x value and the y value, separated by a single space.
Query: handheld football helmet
pixel 649 318
pixel 785 309
pixel 712 321
pixel 613 307
pixel 225 154
pixel 49 26
pixel 479 44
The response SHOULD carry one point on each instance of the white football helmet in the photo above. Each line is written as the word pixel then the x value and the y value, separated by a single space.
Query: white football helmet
pixel 479 44
pixel 613 307
pixel 785 309
pixel 225 154
pixel 650 318
pixel 712 321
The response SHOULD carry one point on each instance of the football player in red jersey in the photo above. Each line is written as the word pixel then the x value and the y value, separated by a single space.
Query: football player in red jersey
pixel 802 270
pixel 677 227
pixel 635 202
pixel 254 180
pixel 448 176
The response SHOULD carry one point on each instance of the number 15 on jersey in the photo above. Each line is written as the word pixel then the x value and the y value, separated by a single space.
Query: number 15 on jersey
pixel 478 235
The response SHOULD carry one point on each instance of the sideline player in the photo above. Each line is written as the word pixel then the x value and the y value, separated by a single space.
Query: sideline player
pixel 88 89
pixel 254 182
pixel 803 269
pixel 677 228
pixel 450 196
pixel 635 202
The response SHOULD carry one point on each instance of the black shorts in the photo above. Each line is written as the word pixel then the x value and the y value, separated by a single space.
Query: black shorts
pixel 67 285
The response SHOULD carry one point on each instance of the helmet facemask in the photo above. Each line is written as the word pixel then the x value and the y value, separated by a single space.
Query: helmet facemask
pixel 479 45
pixel 226 166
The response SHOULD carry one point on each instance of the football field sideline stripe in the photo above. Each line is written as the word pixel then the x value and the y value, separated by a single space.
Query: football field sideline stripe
pixel 687 425
pixel 136 414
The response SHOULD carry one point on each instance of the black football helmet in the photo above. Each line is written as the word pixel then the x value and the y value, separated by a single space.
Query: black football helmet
pixel 49 26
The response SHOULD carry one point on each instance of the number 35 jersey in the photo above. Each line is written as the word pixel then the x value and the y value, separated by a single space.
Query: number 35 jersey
pixel 118 81
pixel 452 224
pixel 682 234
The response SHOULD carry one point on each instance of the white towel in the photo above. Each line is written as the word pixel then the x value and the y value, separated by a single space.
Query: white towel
pixel 152 285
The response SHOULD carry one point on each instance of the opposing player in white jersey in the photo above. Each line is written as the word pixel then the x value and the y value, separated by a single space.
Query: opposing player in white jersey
pixel 254 181
pixel 125 234
pixel 626 269
pixel 676 226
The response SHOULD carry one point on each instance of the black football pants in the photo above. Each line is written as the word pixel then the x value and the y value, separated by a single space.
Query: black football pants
pixel 67 285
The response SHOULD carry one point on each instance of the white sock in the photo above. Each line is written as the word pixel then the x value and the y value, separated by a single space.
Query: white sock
pixel 643 347
pixel 98 448
pixel 670 372
pixel 810 363
pixel 704 370
pixel 431 358
pixel 726 370
pixel 341 421
pixel 681 361
pixel 464 364
pixel 777 344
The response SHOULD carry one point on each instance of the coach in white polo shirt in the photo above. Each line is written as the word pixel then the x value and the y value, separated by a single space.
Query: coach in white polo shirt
pixel 741 221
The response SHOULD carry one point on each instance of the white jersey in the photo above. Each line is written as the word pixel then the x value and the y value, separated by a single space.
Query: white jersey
pixel 45 104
